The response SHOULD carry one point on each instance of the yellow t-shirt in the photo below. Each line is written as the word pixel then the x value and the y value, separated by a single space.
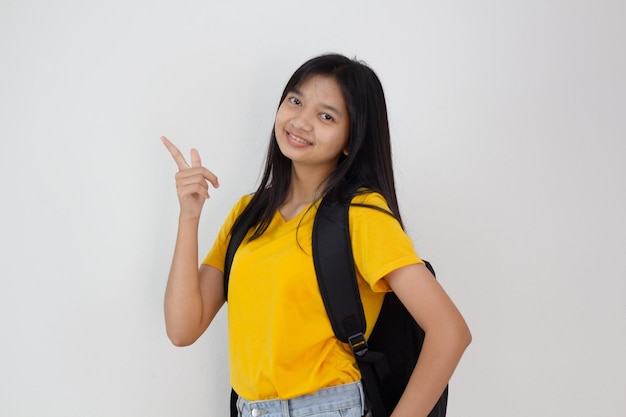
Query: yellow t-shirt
pixel 281 343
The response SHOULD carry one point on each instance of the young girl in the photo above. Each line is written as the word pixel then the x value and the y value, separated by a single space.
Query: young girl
pixel 330 140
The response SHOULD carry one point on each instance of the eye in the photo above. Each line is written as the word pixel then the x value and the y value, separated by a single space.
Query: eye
pixel 327 117
pixel 294 100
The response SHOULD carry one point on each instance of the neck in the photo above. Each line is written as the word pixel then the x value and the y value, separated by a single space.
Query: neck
pixel 307 184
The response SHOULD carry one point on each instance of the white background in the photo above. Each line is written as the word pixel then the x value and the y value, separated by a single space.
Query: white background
pixel 509 130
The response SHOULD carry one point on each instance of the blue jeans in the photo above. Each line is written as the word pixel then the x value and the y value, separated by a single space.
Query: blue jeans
pixel 338 401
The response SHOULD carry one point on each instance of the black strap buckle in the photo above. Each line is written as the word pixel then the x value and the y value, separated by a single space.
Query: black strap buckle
pixel 358 344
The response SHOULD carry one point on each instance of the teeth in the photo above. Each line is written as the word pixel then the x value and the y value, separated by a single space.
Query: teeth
pixel 299 140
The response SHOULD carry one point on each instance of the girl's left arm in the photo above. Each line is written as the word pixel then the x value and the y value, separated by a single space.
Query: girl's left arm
pixel 447 337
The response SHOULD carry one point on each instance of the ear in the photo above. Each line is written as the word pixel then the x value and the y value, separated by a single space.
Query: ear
pixel 346 151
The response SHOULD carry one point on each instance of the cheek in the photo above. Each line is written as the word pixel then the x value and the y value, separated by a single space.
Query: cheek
pixel 276 124
pixel 345 138
pixel 338 142
pixel 280 118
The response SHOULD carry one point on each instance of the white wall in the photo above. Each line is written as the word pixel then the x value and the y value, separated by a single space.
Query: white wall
pixel 509 134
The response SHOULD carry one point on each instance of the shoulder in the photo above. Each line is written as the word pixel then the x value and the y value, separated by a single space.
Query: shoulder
pixel 237 209
pixel 366 201
pixel 241 204
pixel 369 214
pixel 365 196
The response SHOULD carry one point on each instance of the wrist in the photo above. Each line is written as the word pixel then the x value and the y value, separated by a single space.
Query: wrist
pixel 188 219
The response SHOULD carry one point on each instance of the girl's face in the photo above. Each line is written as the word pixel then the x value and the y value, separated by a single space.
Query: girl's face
pixel 312 123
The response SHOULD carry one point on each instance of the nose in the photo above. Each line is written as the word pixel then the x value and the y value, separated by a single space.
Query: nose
pixel 301 122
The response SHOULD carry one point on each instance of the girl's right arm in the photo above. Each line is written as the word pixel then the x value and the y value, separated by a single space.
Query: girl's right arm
pixel 193 295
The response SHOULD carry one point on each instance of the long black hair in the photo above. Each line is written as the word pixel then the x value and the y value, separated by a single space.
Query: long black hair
pixel 368 165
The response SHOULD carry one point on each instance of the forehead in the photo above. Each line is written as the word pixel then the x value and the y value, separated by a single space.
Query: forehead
pixel 322 88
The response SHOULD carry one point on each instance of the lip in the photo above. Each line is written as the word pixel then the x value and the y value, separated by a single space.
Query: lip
pixel 297 140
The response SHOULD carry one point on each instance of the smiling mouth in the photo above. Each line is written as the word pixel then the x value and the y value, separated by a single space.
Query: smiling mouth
pixel 297 139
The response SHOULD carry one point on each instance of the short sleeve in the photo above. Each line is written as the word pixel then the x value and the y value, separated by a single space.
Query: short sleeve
pixel 217 254
pixel 379 244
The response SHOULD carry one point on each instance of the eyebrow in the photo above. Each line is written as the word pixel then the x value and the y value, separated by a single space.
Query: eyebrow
pixel 326 106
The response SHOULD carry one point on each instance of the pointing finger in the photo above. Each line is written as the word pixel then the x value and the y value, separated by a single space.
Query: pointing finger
pixel 176 153
pixel 195 158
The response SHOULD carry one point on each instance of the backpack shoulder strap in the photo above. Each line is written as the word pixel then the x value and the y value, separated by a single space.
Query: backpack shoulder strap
pixel 336 277
pixel 237 234
pixel 334 267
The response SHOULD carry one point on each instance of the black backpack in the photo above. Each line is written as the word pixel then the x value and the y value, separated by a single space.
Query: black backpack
pixel 387 359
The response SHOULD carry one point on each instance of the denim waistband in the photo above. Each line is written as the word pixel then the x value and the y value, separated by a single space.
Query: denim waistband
pixel 325 400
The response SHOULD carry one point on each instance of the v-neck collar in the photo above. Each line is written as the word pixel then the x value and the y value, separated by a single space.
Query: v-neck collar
pixel 297 217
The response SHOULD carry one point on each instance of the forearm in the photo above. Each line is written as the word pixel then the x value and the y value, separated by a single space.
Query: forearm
pixel 192 297
pixel 183 296
pixel 441 352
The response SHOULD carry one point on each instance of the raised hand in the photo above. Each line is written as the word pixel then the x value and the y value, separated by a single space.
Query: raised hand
pixel 192 182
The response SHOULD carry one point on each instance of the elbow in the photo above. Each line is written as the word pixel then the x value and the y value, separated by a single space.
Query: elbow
pixel 467 337
pixel 451 337
pixel 463 333
pixel 180 342
pixel 181 331
pixel 457 336
pixel 180 339
pixel 464 336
